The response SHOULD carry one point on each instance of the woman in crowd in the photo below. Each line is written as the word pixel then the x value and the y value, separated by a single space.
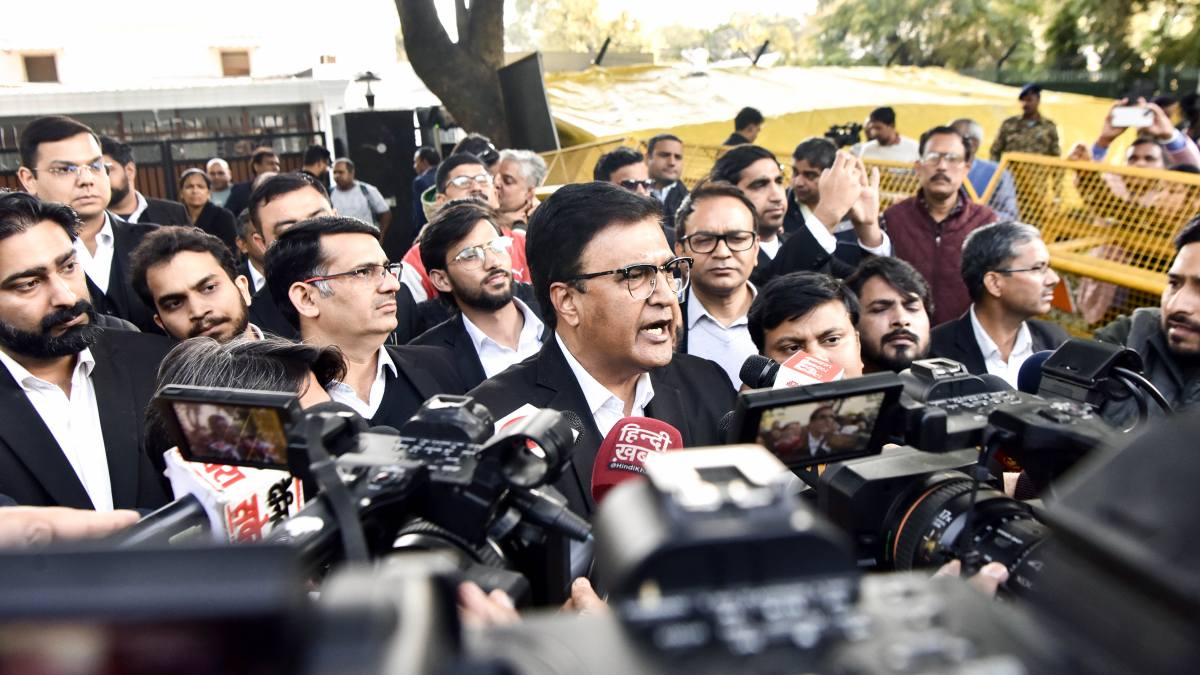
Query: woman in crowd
pixel 195 188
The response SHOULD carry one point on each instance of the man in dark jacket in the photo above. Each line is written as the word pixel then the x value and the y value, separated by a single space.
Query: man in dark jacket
pixel 1168 337
pixel 927 230
pixel 131 205
pixel 664 161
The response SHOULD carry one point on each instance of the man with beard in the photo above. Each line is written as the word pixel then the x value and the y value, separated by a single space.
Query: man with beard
pixel 73 393
pixel 468 261
pixel 189 277
pixel 895 307
pixel 1006 269
pixel 218 173
pixel 126 201
pixel 608 285
pixel 927 230
pixel 61 161
pixel 1168 338
pixel 338 288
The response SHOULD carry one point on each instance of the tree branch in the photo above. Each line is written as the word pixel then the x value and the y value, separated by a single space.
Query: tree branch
pixel 485 32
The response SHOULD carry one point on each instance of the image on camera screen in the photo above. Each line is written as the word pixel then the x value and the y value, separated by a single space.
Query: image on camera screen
pixel 817 432
pixel 228 434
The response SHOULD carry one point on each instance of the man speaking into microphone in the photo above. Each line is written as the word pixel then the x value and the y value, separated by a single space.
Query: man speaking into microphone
pixel 609 288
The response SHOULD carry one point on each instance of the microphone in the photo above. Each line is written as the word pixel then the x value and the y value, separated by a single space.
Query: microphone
pixel 622 454
pixel 801 368
pixel 242 503
pixel 1029 377
pixel 758 371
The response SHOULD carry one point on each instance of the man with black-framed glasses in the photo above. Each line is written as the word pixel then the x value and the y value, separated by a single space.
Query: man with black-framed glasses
pixel 469 262
pixel 717 226
pixel 1006 269
pixel 609 289
pixel 62 161
pixel 340 290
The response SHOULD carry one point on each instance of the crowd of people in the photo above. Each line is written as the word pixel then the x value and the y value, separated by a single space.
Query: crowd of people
pixel 631 295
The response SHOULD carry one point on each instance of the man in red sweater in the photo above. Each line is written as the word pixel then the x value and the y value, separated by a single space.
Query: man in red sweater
pixel 927 230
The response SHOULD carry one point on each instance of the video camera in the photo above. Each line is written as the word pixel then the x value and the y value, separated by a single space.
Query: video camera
pixel 844 135
pixel 448 481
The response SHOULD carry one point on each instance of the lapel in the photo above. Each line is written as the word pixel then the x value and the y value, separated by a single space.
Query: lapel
pixel 28 437
pixel 555 377
pixel 120 263
pixel 420 377
pixel 667 404
pixel 968 348
pixel 119 421
pixel 465 356
pixel 681 344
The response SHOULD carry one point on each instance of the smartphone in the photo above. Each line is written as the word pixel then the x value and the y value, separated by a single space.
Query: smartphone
pixel 1127 116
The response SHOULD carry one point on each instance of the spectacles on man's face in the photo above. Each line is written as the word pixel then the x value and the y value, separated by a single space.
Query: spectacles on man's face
pixel 632 185
pixel 464 182
pixel 76 170
pixel 472 257
pixel 706 242
pixel 1041 269
pixel 370 273
pixel 642 279
pixel 934 158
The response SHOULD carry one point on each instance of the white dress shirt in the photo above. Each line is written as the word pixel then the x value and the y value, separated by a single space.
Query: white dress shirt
pixel 829 242
pixel 1022 349
pixel 73 421
pixel 98 267
pixel 257 281
pixel 728 346
pixel 604 405
pixel 495 357
pixel 345 394
pixel 141 208
pixel 661 195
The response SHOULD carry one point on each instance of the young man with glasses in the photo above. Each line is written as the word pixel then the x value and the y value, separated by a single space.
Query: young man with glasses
pixel 340 290
pixel 62 161
pixel 927 230
pixel 608 285
pixel 717 228
pixel 467 257
pixel 1006 269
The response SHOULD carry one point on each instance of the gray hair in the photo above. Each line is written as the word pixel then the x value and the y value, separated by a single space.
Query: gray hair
pixel 216 160
pixel 267 364
pixel 990 248
pixel 970 129
pixel 533 167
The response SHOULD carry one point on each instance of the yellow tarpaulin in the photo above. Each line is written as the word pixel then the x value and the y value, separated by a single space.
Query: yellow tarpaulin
pixel 639 101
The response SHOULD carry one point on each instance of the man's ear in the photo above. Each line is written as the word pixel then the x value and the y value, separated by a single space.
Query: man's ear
pixel 304 298
pixel 28 180
pixel 158 322
pixel 261 240
pixel 243 286
pixel 991 283
pixel 565 299
pixel 440 199
pixel 131 173
pixel 440 280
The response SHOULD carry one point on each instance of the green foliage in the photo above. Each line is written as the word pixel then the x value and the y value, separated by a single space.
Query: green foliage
pixel 571 26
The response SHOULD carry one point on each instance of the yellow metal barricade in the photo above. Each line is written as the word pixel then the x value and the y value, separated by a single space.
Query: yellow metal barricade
pixel 1109 229
pixel 575 164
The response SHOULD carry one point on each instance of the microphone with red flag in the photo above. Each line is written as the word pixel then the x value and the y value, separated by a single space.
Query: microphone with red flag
pixel 622 454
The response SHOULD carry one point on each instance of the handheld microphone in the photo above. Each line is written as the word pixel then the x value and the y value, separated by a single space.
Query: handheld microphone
pixel 1029 377
pixel 622 454
pixel 801 368
pixel 242 503
pixel 758 371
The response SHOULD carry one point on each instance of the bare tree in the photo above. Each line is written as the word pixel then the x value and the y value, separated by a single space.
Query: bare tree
pixel 463 74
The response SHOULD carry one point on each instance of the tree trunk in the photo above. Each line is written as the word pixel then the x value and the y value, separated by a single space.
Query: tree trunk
pixel 462 75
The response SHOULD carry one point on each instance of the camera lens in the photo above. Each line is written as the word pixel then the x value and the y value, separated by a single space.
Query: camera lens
pixel 931 527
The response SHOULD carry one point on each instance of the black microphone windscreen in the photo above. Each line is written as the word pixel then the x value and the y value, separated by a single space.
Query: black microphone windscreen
pixel 723 426
pixel 758 371
pixel 1029 377
pixel 576 423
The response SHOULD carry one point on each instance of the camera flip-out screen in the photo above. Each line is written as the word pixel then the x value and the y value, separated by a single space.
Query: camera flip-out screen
pixel 229 426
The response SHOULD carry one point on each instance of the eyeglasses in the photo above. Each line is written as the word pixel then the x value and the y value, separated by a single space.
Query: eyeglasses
pixel 464 182
pixel 363 273
pixel 1040 269
pixel 472 257
pixel 935 158
pixel 76 170
pixel 632 185
pixel 706 242
pixel 642 279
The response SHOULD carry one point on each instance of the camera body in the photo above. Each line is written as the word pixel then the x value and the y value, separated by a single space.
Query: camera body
pixel 845 135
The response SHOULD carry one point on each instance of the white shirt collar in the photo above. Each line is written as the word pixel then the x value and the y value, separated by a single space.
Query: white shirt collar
pixel 84 364
pixel 141 207
pixel 818 230
pixel 256 280
pixel 661 195
pixel 696 310
pixel 987 345
pixel 532 330
pixel 596 394
pixel 105 236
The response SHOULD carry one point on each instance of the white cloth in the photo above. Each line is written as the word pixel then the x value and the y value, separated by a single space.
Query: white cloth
pixel 604 405
pixel 771 248
pixel 1022 349
pixel 907 150
pixel 661 195
pixel 353 203
pixel 345 394
pixel 727 346
pixel 98 267
pixel 141 208
pixel 257 281
pixel 73 421
pixel 828 240
pixel 495 357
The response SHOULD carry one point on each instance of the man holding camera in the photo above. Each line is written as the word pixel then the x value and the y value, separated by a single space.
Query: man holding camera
pixel 1168 338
